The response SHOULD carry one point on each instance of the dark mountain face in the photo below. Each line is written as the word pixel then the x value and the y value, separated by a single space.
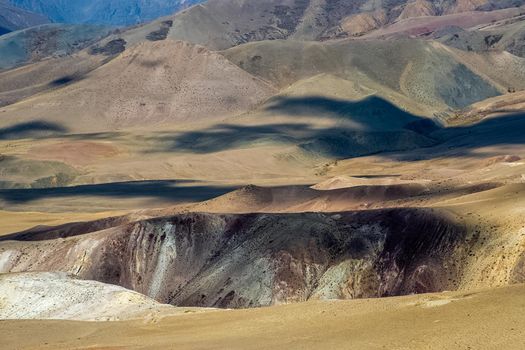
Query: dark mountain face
pixel 239 261
pixel 49 40
pixel 114 12
pixel 13 18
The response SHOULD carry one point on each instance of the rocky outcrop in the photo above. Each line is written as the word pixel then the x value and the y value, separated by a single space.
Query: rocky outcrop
pixel 258 259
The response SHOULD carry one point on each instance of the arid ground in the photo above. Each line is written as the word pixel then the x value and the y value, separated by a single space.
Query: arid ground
pixel 266 174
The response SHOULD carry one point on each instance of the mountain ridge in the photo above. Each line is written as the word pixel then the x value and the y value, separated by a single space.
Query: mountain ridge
pixel 13 18
pixel 121 12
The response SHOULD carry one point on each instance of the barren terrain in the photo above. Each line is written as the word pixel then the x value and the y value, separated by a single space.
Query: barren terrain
pixel 436 321
pixel 266 174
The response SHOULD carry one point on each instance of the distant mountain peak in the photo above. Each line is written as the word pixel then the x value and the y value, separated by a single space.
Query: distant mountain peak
pixel 13 18
pixel 114 12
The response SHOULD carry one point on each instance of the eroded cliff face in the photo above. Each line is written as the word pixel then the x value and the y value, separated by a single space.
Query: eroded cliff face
pixel 259 259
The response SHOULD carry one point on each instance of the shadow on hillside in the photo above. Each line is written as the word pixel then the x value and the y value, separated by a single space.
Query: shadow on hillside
pixel 39 129
pixel 171 190
pixel 227 136
pixel 370 126
pixel 63 81
pixel 33 129
pixel 507 129
pixel 359 128
pixel 371 113
pixel 470 140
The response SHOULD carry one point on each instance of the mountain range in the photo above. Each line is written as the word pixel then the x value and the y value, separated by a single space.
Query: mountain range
pixel 117 13
pixel 13 18
pixel 163 161
pixel 311 18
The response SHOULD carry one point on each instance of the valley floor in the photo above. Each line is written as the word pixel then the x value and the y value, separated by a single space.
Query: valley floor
pixel 490 319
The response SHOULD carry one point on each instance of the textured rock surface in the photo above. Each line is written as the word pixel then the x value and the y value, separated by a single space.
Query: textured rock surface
pixel 59 296
pixel 259 259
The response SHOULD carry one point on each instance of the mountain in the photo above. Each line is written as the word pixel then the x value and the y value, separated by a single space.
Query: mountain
pixel 220 24
pixel 158 82
pixel 262 259
pixel 250 153
pixel 508 35
pixel 368 62
pixel 257 259
pixel 246 20
pixel 120 12
pixel 291 102
pixel 155 83
pixel 49 40
pixel 13 18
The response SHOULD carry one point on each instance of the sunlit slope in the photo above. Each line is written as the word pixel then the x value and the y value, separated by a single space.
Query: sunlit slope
pixel 57 296
pixel 428 73
pixel 449 320
pixel 150 84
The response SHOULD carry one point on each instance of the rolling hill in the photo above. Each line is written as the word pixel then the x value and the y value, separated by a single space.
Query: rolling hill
pixel 259 260
pixel 223 24
pixel 413 73
pixel 242 154
pixel 506 35
pixel 425 79
pixel 153 83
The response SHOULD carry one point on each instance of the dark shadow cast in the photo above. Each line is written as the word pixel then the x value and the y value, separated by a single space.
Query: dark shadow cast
pixel 152 63
pixel 360 128
pixel 34 129
pixel 173 190
pixel 508 129
pixel 370 126
pixel 371 113
pixel 228 136
pixel 111 48
pixel 62 81
pixel 462 141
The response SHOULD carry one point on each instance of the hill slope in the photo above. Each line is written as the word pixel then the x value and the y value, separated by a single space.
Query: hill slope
pixel 149 84
pixel 256 260
pixel 13 18
pixel 427 73
pixel 220 24
pixel 444 321
pixel 50 40
pixel 59 296
pixel 121 12
pixel 507 35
